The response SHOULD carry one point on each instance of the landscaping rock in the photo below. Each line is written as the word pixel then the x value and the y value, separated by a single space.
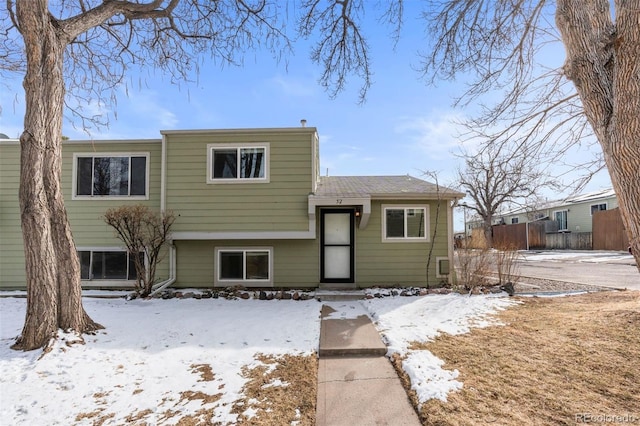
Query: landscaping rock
pixel 508 287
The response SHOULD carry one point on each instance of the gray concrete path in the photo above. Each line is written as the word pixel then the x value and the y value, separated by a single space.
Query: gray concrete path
pixel 357 385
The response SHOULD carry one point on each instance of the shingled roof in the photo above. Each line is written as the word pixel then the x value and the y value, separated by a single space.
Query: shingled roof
pixel 381 186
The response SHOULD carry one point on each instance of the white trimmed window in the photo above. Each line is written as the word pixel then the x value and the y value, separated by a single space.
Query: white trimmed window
pixel 106 264
pixel 598 207
pixel 405 223
pixel 111 175
pixel 561 217
pixel 233 163
pixel 249 266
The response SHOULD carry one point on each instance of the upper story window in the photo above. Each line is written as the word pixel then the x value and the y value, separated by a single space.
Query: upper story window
pixel 561 217
pixel 111 175
pixel 405 223
pixel 235 163
pixel 598 207
pixel 514 220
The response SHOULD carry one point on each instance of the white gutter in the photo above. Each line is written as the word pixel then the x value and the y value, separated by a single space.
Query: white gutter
pixel 172 273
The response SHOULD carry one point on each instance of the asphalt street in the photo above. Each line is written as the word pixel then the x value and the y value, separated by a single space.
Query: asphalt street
pixel 606 269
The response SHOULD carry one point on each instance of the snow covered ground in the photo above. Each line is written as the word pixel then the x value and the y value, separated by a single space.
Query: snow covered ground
pixel 151 352
pixel 584 256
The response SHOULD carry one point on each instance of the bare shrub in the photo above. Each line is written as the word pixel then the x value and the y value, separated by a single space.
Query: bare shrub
pixel 473 267
pixel 142 231
pixel 506 264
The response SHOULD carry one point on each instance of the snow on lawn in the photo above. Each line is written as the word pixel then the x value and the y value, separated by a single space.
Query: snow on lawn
pixel 147 356
pixel 153 351
pixel 404 320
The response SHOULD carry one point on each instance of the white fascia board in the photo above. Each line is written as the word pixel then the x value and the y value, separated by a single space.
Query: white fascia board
pixel 341 201
pixel 257 235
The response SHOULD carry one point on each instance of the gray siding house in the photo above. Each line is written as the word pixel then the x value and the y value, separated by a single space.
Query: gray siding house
pixel 251 210
pixel 572 214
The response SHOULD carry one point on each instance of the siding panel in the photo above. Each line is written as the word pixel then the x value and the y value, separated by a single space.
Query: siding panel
pixel 279 205
pixel 389 263
pixel 85 216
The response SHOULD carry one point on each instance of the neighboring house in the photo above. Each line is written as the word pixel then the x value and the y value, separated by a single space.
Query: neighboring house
pixel 573 214
pixel 251 209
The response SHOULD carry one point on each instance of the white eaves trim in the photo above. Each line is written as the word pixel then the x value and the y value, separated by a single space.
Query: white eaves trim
pixel 340 201
pixel 257 235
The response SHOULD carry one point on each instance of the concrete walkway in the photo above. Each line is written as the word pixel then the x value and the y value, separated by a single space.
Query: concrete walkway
pixel 357 384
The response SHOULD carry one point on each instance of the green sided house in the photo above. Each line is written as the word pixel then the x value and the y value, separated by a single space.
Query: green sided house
pixel 251 210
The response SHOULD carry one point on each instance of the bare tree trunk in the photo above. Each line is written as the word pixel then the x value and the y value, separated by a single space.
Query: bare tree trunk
pixel 52 267
pixel 602 63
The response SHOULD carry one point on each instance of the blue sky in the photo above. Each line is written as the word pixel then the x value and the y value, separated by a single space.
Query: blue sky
pixel 405 126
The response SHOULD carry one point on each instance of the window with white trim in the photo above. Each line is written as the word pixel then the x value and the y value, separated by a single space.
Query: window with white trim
pixel 106 265
pixel 247 265
pixel 561 217
pixel 234 163
pixel 514 220
pixel 598 207
pixel 110 175
pixel 405 223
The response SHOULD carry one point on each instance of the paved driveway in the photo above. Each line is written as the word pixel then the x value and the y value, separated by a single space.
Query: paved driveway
pixel 606 269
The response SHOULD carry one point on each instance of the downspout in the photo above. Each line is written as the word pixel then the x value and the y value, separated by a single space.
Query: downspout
pixel 157 288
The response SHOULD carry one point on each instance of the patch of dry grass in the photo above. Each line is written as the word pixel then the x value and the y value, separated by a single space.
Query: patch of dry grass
pixel 280 391
pixel 554 359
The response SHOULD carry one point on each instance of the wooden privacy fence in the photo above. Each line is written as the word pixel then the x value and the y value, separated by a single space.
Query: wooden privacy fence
pixel 569 241
pixel 608 231
pixel 518 235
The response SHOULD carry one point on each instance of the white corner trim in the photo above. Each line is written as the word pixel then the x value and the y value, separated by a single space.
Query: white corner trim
pixel 163 174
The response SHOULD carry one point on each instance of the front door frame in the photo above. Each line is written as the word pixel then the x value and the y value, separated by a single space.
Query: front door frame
pixel 351 245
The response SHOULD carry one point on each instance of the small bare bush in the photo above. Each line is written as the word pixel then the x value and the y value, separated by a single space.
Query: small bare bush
pixel 473 267
pixel 506 263
pixel 142 231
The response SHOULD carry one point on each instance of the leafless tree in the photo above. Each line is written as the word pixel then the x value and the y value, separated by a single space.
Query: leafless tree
pixel 497 176
pixel 75 53
pixel 142 231
pixel 84 47
pixel 502 47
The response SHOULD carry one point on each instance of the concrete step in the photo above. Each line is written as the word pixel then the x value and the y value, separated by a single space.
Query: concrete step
pixel 346 330
pixel 328 294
